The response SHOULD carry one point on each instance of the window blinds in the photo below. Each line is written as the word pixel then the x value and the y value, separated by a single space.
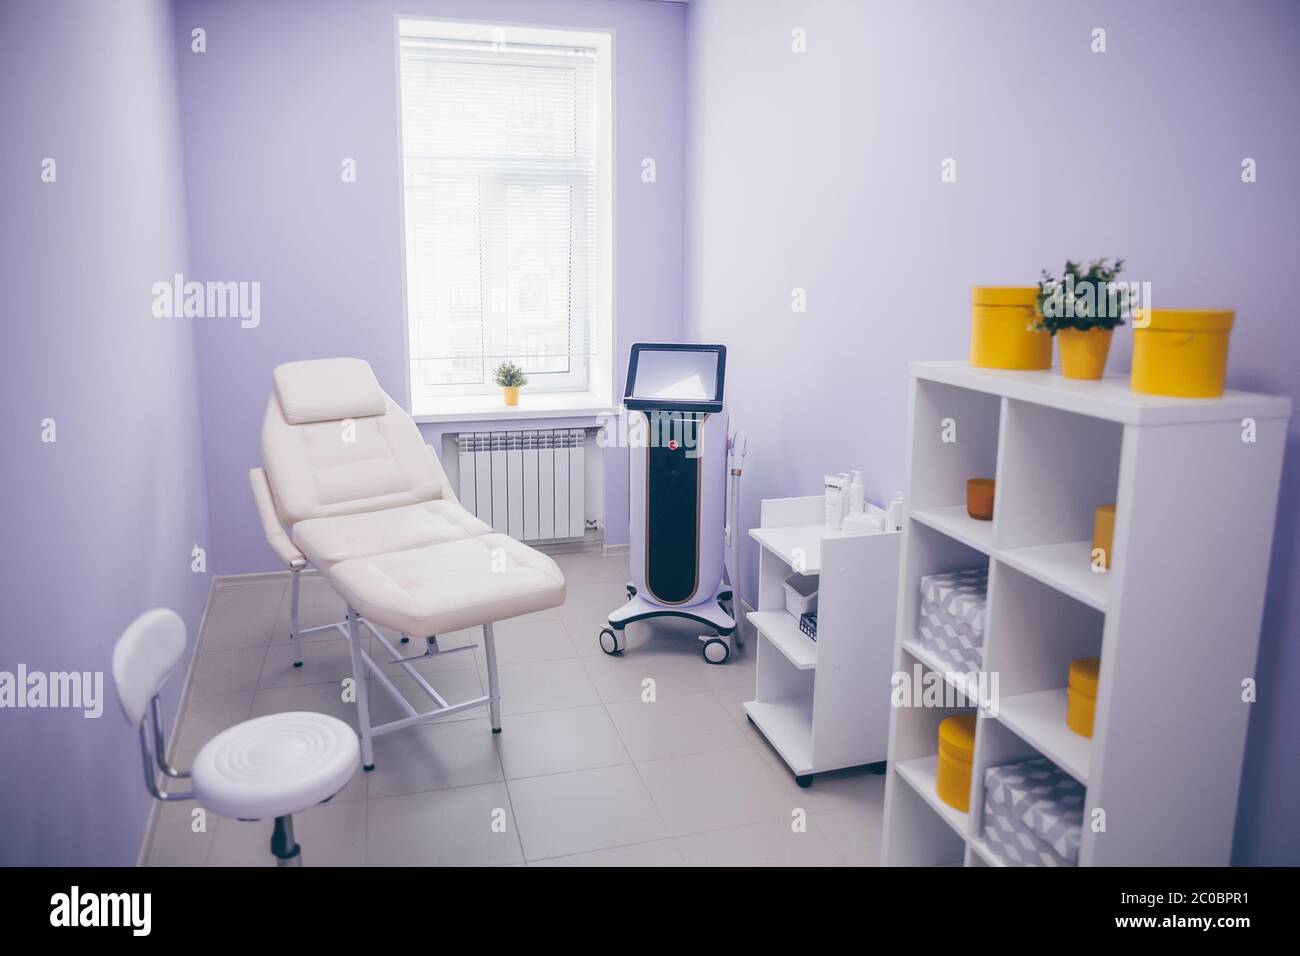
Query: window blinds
pixel 499 147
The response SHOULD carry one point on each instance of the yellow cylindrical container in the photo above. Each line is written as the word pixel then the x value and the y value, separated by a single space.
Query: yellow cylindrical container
pixel 511 393
pixel 1081 695
pixel 1002 333
pixel 979 498
pixel 1103 532
pixel 1181 352
pixel 956 753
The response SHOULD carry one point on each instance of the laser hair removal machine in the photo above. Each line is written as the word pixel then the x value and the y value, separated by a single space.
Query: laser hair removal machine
pixel 684 489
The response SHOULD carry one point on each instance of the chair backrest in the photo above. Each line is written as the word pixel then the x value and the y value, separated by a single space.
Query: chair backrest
pixel 144 657
pixel 334 443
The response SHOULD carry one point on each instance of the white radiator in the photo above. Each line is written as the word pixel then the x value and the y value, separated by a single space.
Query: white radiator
pixel 530 485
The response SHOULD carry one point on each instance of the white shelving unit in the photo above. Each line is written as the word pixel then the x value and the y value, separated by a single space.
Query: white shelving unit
pixel 1175 621
pixel 823 704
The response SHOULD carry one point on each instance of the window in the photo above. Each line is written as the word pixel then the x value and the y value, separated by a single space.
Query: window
pixel 506 149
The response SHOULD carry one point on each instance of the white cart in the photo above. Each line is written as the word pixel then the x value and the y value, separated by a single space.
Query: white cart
pixel 824 704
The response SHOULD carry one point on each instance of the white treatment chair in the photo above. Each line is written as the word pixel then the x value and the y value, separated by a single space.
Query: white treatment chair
pixel 367 503
pixel 272 766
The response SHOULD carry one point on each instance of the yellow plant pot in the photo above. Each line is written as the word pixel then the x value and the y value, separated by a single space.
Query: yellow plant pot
pixel 512 394
pixel 1181 352
pixel 1002 333
pixel 956 754
pixel 1081 695
pixel 1083 354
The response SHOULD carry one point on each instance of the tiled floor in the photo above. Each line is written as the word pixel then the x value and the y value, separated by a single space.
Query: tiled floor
pixel 585 772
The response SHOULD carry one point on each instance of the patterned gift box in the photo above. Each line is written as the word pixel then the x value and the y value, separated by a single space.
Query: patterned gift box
pixel 1033 813
pixel 954 607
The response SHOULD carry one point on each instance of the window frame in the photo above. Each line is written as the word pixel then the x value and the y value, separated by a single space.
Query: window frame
pixel 434 401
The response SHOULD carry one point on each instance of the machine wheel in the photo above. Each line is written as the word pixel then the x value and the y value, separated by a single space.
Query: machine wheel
pixel 716 651
pixel 611 642
pixel 804 780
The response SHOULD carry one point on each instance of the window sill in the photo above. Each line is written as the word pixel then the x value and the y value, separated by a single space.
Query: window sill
pixel 492 408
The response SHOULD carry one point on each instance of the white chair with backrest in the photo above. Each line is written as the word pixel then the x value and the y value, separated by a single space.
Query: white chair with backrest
pixel 269 767
pixel 367 503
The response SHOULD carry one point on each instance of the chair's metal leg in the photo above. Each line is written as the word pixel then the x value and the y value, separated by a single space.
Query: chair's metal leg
pixel 494 690
pixel 362 678
pixel 294 637
pixel 283 847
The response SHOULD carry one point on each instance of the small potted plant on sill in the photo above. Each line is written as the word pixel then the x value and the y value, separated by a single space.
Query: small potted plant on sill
pixel 1084 307
pixel 511 377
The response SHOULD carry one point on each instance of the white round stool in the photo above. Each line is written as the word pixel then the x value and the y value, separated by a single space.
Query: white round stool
pixel 275 766
pixel 272 766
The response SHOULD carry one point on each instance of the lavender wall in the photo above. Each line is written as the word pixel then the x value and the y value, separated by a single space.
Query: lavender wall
pixel 99 524
pixel 285 91
pixel 821 170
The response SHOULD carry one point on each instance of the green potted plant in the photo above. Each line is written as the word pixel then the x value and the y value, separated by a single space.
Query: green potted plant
pixel 1084 306
pixel 511 377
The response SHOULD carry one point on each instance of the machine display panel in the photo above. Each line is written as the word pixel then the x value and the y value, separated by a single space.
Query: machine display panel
pixel 676 377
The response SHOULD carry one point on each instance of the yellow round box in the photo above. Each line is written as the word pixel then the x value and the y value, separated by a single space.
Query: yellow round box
pixel 1181 352
pixel 956 753
pixel 1081 695
pixel 1103 533
pixel 1002 333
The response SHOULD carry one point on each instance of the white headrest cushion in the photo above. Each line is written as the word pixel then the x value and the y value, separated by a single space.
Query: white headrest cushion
pixel 327 390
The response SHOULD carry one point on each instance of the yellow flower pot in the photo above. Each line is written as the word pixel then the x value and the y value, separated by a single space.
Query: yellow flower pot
pixel 1002 333
pixel 512 394
pixel 1181 352
pixel 1083 354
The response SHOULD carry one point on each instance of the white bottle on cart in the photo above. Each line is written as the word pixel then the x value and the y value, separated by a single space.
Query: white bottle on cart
pixel 894 513
pixel 836 500
pixel 857 494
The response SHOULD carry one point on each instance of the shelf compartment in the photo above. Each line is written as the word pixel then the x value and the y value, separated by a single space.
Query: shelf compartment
pixel 788 726
pixel 916 834
pixel 1066 567
pixel 965 684
pixel 781 630
pixel 1057 468
pixel 953 521
pixel 1039 720
pixel 920 774
pixel 1034 632
pixel 929 550
pixel 954 438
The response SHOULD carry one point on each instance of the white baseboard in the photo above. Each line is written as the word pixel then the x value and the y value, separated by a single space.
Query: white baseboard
pixel 611 549
pixel 570 546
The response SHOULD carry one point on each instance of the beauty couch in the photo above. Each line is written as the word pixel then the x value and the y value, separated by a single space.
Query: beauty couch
pixel 366 502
